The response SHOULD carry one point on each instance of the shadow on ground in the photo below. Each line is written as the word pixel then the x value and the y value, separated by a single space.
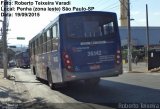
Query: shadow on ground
pixel 110 93
pixel 107 93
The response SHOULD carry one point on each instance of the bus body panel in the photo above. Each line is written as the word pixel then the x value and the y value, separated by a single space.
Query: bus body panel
pixel 41 66
pixel 81 58
pixel 84 57
pixel 87 75
pixel 90 58
pixel 49 61
pixel 56 67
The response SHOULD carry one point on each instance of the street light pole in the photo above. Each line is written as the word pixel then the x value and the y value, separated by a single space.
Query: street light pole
pixel 4 37
pixel 129 40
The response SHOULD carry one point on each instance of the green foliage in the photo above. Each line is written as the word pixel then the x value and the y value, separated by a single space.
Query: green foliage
pixel 124 54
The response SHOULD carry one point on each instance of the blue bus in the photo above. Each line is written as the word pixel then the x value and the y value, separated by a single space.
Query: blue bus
pixel 77 46
pixel 22 59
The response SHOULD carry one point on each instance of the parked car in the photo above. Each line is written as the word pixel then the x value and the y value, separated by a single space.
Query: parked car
pixel 12 63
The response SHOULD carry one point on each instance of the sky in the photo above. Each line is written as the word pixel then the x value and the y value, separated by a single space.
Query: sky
pixel 28 27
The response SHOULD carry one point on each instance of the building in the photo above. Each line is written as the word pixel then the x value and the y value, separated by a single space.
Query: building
pixel 139 37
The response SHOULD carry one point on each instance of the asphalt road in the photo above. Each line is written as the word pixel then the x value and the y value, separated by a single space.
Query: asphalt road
pixel 135 90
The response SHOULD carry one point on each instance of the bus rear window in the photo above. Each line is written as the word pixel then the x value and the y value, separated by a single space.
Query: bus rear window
pixel 89 27
pixel 108 28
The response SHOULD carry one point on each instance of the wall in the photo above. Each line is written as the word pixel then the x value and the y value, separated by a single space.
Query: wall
pixel 138 35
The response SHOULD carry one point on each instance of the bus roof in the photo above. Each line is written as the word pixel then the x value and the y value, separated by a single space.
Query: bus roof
pixel 87 12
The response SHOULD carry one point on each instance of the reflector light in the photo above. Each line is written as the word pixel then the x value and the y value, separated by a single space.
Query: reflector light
pixel 68 61
pixel 118 57
pixel 66 56
pixel 118 62
pixel 118 51
pixel 70 76
pixel 69 67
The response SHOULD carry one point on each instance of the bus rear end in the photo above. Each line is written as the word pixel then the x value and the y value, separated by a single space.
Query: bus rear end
pixel 25 60
pixel 90 46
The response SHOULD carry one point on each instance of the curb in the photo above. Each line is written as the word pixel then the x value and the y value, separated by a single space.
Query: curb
pixel 157 70
pixel 149 71
pixel 138 72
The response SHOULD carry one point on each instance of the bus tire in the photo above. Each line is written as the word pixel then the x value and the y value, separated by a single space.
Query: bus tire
pixel 92 82
pixel 37 78
pixel 49 78
pixel 34 71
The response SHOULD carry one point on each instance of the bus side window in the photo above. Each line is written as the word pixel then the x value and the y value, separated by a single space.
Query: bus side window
pixel 31 48
pixel 36 46
pixel 44 42
pixel 41 44
pixel 55 37
pixel 48 40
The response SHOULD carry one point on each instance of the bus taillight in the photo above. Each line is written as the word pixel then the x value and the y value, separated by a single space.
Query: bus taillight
pixel 118 57
pixel 67 62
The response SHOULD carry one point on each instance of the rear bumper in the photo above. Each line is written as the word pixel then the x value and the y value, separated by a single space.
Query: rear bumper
pixel 71 76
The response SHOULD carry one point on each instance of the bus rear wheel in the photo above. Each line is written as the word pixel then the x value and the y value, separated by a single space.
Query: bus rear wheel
pixel 49 77
pixel 34 71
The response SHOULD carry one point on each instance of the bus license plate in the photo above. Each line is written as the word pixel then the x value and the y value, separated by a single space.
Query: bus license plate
pixel 94 67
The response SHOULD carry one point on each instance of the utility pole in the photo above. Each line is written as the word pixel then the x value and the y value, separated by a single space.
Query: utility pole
pixel 129 40
pixel 125 21
pixel 123 12
pixel 147 34
pixel 4 37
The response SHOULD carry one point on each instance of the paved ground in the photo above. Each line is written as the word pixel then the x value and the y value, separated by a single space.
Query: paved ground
pixel 16 93
pixel 6 88
pixel 12 93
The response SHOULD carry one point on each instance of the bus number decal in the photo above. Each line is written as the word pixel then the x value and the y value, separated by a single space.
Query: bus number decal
pixel 94 53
